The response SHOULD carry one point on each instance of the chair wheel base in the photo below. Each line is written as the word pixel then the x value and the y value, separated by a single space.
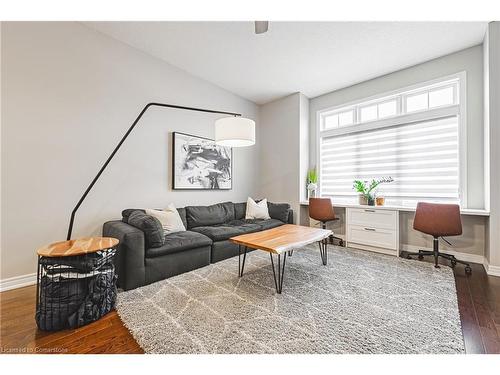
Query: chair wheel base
pixel 453 261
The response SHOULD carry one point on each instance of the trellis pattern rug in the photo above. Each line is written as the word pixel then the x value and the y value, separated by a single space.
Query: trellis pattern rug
pixel 361 302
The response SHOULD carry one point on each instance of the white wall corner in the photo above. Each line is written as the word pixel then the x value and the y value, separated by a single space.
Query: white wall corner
pixel 303 145
pixel 17 282
pixel 486 120
pixel 490 269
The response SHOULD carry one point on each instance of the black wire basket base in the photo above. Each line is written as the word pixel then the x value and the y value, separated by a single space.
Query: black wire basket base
pixel 74 291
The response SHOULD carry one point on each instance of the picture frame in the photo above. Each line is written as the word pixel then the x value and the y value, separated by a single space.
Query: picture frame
pixel 198 163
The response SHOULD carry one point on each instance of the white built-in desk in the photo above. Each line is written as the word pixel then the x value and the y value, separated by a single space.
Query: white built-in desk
pixel 376 228
pixel 463 211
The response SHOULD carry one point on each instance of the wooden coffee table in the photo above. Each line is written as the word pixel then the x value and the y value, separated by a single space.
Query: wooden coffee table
pixel 281 240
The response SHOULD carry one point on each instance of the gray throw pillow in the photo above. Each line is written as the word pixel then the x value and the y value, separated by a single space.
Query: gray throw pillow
pixel 151 226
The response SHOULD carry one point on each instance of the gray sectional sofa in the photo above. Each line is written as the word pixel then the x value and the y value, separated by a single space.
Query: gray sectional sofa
pixel 205 241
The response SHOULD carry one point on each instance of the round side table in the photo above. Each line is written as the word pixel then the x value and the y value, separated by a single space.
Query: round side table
pixel 76 282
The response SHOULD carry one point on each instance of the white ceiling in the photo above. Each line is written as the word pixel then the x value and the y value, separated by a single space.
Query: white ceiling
pixel 310 57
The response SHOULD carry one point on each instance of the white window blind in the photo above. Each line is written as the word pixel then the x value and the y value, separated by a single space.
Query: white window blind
pixel 422 157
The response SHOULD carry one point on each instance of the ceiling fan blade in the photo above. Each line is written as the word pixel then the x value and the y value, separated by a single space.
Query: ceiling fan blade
pixel 261 27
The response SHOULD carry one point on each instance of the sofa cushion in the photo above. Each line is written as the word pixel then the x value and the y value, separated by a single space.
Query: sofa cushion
pixel 225 231
pixel 151 226
pixel 265 224
pixel 240 210
pixel 179 241
pixel 126 213
pixel 279 211
pixel 199 216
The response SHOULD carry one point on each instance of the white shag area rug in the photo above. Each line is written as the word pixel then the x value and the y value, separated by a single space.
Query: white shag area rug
pixel 361 302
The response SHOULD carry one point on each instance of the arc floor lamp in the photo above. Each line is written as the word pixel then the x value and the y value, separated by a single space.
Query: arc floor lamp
pixel 235 131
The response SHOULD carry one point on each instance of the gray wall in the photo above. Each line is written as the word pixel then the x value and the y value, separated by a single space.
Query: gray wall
pixel 283 163
pixel 68 95
pixel 469 60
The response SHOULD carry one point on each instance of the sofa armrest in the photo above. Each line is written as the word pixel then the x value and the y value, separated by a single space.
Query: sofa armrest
pixel 130 255
pixel 290 216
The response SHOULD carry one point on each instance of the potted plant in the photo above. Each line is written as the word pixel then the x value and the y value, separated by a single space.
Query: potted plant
pixel 312 183
pixel 366 191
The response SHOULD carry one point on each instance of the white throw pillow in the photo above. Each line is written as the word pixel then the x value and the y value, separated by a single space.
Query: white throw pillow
pixel 257 210
pixel 169 218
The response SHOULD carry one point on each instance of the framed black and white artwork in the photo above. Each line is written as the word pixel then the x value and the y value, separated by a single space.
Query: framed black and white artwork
pixel 200 164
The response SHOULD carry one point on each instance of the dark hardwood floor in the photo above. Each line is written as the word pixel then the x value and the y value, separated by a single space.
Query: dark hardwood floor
pixel 478 300
pixel 19 333
pixel 479 305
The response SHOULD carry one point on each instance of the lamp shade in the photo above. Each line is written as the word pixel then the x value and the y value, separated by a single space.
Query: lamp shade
pixel 235 132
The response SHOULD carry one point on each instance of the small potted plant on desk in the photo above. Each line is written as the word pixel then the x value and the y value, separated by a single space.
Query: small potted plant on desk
pixel 366 191
pixel 312 183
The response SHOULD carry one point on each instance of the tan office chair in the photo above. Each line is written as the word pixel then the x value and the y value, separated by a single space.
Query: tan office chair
pixel 438 220
pixel 321 209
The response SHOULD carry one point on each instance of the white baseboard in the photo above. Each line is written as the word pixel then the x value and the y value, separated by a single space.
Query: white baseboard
pixel 491 270
pixel 17 282
pixel 472 258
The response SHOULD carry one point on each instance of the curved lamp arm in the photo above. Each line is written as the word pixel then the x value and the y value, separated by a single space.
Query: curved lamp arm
pixel 73 213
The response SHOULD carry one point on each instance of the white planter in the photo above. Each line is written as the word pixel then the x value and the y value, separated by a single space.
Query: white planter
pixel 363 200
pixel 311 190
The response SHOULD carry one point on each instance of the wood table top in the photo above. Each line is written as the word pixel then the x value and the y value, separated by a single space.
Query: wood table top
pixel 283 238
pixel 79 246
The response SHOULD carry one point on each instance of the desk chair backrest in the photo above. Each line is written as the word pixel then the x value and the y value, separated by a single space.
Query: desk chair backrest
pixel 321 209
pixel 438 220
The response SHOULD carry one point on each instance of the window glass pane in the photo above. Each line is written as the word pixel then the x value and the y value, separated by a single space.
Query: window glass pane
pixel 369 113
pixel 416 102
pixel 393 105
pixel 330 122
pixel 346 118
pixel 387 109
pixel 441 97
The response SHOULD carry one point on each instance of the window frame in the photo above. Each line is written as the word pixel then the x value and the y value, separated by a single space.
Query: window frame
pixel 401 118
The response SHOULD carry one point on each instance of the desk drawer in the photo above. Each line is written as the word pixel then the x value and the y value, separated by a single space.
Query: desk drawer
pixel 373 237
pixel 373 218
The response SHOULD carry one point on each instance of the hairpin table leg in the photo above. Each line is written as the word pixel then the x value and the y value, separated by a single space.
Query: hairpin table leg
pixel 323 250
pixel 241 265
pixel 278 282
